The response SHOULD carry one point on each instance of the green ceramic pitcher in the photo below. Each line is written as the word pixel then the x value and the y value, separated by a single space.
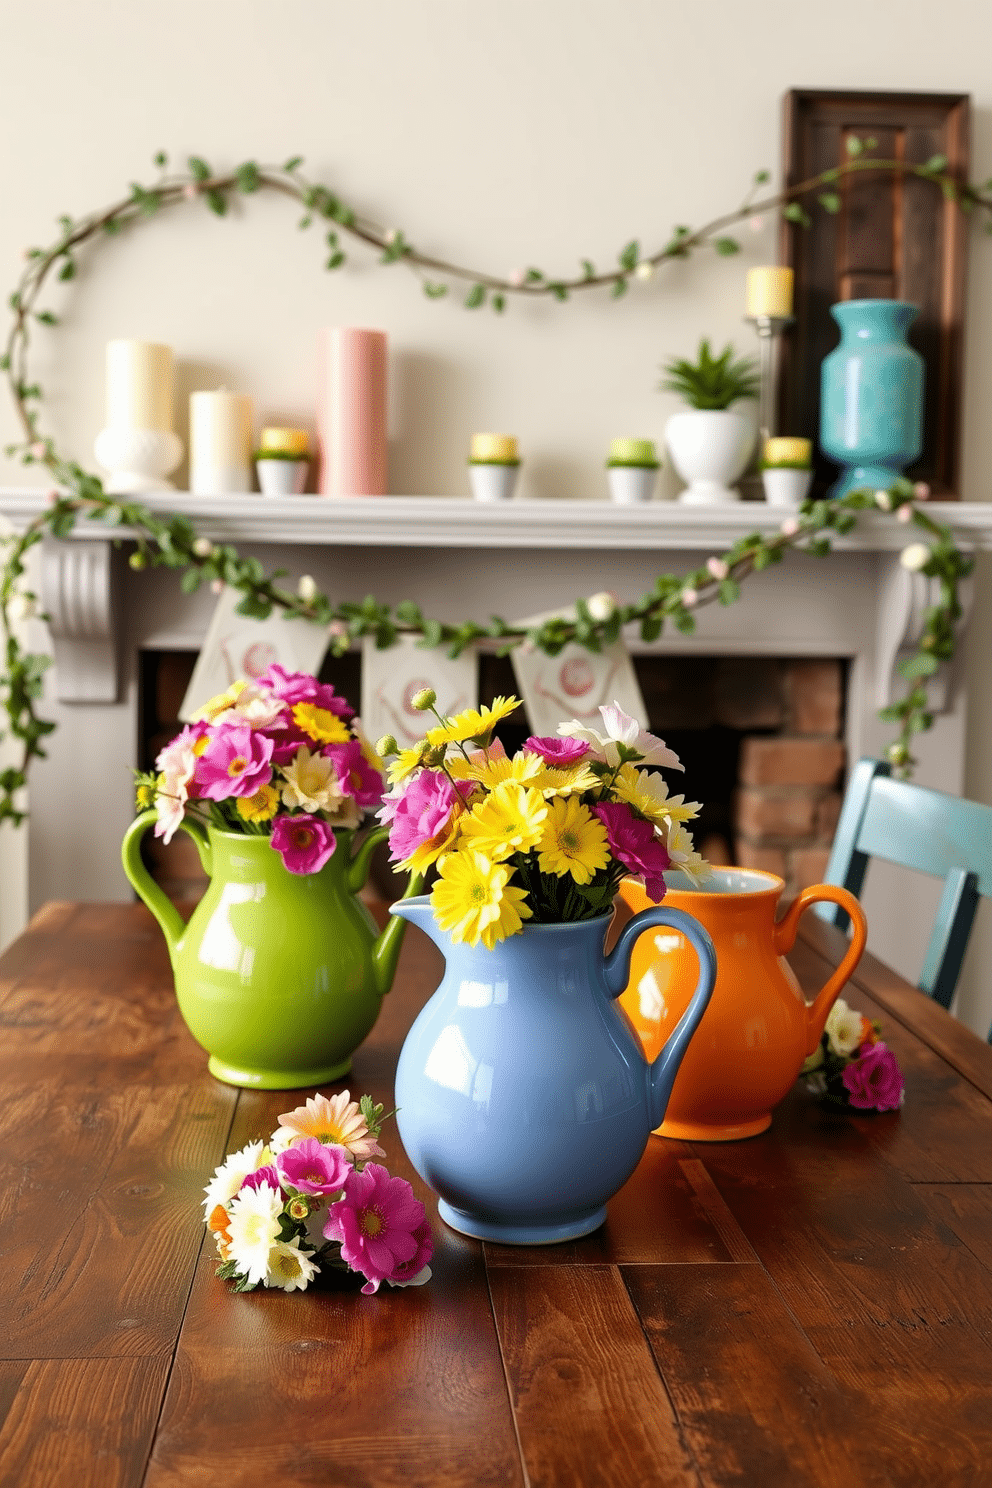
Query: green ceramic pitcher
pixel 279 975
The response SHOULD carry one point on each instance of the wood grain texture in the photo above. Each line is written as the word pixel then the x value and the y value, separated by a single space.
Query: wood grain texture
pixel 590 1407
pixel 85 1422
pixel 966 1210
pixel 755 1401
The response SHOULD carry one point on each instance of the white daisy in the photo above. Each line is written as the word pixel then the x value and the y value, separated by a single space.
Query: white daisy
pixel 254 1229
pixel 622 729
pixel 844 1028
pixel 232 1173
pixel 290 1268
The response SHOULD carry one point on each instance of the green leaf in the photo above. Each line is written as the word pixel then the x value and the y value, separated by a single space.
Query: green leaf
pixel 619 288
pixel 4 363
pixel 588 269
pixel 248 177
pixel 434 291
pixel 628 256
pixel 432 636
pixel 293 163
pixel 534 276
pixel 217 202
pixel 761 177
pixel 651 627
pixel 198 169
pixel 498 303
pixel 921 665
pixel 160 158
pixel 727 247
pixel 68 270
pixel 559 290
pixel 795 213
pixel 936 163
pixel 46 317
pixel 335 261
pixel 475 297
pixel 830 202
pixel 305 222
pixel 191 581
pixel 853 145
pixel 729 591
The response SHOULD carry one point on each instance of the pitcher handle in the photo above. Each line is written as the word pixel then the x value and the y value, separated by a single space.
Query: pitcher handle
pixel 661 1073
pixel 784 938
pixel 155 898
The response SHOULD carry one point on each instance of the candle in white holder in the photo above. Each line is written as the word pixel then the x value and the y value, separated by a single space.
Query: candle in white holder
pixel 769 292
pixel 139 385
pixel 220 443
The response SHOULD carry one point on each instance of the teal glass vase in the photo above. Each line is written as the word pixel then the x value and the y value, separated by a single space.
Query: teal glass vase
pixel 871 395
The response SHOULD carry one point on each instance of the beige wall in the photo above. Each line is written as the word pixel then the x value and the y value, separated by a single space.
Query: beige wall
pixel 501 134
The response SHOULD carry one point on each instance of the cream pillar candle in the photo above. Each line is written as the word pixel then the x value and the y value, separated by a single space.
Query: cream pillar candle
pixel 139 385
pixel 769 292
pixel 220 443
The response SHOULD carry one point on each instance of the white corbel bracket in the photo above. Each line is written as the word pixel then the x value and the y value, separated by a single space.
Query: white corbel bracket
pixel 905 597
pixel 79 595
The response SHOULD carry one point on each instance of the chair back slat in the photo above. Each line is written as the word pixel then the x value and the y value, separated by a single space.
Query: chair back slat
pixel 927 830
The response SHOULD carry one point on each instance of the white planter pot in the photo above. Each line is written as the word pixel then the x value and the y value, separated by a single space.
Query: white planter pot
pixel 493 482
pixel 631 484
pixel 282 477
pixel 710 449
pixel 786 487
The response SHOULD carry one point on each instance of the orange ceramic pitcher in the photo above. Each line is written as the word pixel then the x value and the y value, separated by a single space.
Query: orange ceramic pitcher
pixel 758 1028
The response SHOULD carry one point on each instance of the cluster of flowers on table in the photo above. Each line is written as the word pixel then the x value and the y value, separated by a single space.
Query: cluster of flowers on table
pixel 309 1201
pixel 282 756
pixel 545 834
pixel 852 1066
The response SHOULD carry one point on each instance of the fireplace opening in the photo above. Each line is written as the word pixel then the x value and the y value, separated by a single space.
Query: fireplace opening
pixel 760 738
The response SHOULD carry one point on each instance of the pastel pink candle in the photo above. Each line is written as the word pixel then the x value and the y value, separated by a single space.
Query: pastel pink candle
pixel 351 412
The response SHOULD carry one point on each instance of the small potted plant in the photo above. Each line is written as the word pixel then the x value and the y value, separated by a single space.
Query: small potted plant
pixel 282 461
pixel 787 471
pixel 711 443
pixel 632 470
pixel 493 466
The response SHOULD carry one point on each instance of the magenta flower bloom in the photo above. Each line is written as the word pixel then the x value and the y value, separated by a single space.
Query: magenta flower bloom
pixel 873 1080
pixel 634 843
pixel 378 1223
pixel 405 1271
pixel 313 1168
pixel 236 762
pixel 300 687
pixel 422 812
pixel 260 1176
pixel 305 842
pixel 557 752
pixel 358 778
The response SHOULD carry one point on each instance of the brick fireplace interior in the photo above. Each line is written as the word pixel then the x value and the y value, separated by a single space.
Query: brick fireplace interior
pixel 761 739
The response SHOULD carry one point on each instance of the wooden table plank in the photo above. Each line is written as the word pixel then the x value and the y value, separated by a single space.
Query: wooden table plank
pixel 966 1210
pixel 590 1406
pixel 755 1402
pixel 87 1422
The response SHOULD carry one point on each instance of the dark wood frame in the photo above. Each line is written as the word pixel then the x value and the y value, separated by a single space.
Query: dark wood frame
pixel 892 238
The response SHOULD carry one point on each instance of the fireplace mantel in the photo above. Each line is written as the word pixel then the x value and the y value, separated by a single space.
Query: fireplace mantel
pixel 455 558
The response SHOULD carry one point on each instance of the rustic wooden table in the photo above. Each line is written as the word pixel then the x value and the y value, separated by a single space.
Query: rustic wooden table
pixel 812 1306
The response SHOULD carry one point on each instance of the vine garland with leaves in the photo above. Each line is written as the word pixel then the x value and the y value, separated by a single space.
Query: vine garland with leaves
pixel 173 542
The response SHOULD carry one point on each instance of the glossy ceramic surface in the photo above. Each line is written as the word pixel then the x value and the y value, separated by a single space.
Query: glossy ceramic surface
pixel 524 1096
pixel 871 394
pixel 279 976
pixel 758 1028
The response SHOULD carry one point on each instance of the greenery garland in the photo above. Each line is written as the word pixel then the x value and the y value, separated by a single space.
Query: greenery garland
pixel 173 542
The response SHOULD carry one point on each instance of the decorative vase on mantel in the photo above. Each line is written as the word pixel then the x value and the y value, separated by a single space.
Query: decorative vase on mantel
pixel 871 395
pixel 524 1098
pixel 279 975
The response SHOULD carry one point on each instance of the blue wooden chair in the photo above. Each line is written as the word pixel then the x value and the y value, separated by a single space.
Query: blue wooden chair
pixel 923 829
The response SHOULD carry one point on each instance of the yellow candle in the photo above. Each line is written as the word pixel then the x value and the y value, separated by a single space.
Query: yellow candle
pixel 498 448
pixel 220 443
pixel 139 385
pixel 769 292
pixel 788 452
pixel 285 442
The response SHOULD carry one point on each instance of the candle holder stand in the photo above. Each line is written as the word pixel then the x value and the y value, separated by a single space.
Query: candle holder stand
pixel 138 459
pixel 768 328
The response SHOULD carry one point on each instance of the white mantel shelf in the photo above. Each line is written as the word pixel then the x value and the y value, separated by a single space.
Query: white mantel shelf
pixel 454 522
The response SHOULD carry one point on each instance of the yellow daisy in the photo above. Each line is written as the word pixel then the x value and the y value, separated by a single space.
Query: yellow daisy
pixel 574 841
pixel 335 1120
pixel 428 852
pixel 473 723
pixel 509 819
pixel 684 856
pixel 323 726
pixel 220 703
pixel 260 807
pixel 473 899
pixel 566 780
pixel 491 770
pixel 403 766
pixel 648 794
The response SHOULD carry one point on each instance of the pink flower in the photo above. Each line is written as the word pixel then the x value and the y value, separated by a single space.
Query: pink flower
pixel 789 527
pixel 557 752
pixel 301 687
pixel 379 1224
pixel 357 777
pixel 873 1079
pixel 689 597
pixel 634 843
pixel 312 1168
pixel 305 842
pixel 236 762
pixel 921 491
pixel 267 1175
pixel 905 513
pixel 422 812
pixel 717 568
pixel 409 1273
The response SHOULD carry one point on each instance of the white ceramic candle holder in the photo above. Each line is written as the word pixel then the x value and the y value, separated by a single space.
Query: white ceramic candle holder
pixel 493 482
pixel 786 486
pixel 631 484
pixel 138 459
pixel 282 477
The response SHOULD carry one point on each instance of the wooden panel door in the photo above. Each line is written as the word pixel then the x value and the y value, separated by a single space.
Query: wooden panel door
pixel 893 238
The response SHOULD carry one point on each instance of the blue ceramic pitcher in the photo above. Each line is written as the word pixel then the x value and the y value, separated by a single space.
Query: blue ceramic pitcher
pixel 871 395
pixel 525 1100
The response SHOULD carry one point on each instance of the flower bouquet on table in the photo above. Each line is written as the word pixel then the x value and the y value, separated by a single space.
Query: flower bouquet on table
pixel 544 835
pixel 852 1067
pixel 309 1202
pixel 282 757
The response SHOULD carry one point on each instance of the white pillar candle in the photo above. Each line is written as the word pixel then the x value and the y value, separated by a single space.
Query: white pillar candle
pixel 139 385
pixel 769 292
pixel 220 443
